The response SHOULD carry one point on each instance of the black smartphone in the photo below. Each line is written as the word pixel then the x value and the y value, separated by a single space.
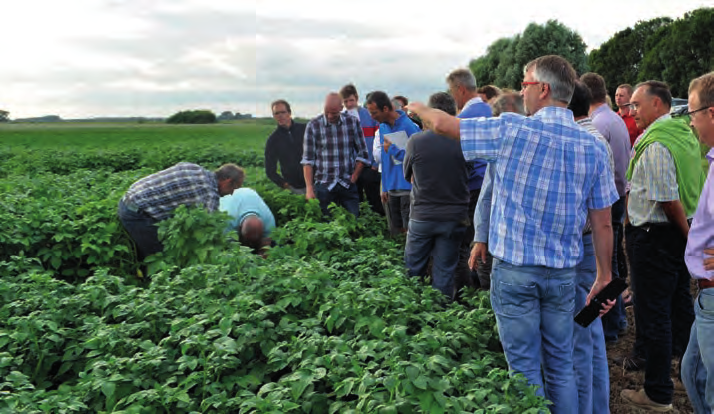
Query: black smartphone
pixel 610 292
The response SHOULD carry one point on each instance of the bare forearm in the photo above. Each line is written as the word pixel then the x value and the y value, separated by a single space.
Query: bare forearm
pixel 439 121
pixel 359 166
pixel 307 173
pixel 675 214
pixel 602 242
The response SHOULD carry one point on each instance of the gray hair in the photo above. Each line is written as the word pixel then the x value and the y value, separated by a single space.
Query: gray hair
pixel 444 102
pixel 462 77
pixel 508 102
pixel 556 72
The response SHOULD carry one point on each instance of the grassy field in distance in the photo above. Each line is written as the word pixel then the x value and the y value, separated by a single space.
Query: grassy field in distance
pixel 250 134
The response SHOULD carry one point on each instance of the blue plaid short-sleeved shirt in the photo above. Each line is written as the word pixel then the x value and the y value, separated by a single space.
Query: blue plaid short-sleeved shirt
pixel 549 172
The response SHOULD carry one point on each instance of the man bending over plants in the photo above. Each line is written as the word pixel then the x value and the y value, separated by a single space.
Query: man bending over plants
pixel 154 198
pixel 250 216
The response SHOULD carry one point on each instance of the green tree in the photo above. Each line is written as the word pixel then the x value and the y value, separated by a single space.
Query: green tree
pixel 681 52
pixel 484 67
pixel 200 116
pixel 4 116
pixel 619 59
pixel 504 60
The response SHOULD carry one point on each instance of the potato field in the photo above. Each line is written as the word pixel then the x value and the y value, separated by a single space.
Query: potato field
pixel 327 323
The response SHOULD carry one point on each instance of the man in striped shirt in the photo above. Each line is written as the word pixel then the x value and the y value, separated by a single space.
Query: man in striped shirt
pixel 335 151
pixel 551 175
pixel 154 198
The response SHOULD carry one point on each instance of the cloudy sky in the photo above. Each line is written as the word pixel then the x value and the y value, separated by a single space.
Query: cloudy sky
pixel 84 58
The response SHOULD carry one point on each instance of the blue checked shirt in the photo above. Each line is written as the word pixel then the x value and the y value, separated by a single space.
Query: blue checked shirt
pixel 334 149
pixel 184 183
pixel 548 173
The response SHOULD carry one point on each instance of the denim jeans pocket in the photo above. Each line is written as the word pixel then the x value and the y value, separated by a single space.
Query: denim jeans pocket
pixel 567 297
pixel 705 302
pixel 515 299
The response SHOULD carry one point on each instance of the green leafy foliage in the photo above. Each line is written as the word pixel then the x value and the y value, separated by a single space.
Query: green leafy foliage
pixel 328 322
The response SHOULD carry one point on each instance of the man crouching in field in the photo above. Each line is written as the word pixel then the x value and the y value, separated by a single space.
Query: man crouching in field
pixel 551 175
pixel 154 198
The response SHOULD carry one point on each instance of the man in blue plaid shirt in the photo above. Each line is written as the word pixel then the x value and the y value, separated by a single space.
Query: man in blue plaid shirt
pixel 155 197
pixel 334 154
pixel 550 175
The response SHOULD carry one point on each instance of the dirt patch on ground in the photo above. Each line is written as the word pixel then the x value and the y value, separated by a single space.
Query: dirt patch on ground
pixel 621 379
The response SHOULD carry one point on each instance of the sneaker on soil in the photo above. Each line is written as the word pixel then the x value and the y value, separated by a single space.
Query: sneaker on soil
pixel 640 399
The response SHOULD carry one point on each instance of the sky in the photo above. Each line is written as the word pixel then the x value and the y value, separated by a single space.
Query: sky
pixel 91 58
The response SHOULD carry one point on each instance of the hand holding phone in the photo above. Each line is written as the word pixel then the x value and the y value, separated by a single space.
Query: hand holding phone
pixel 610 292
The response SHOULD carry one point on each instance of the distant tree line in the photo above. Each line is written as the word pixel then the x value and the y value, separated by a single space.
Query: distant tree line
pixel 673 51
pixel 200 116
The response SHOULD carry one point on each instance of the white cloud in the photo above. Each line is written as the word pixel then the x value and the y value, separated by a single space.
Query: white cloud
pixel 151 57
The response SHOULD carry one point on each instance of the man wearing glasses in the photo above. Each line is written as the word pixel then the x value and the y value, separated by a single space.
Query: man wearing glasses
pixel 551 175
pixel 697 364
pixel 666 179
pixel 284 147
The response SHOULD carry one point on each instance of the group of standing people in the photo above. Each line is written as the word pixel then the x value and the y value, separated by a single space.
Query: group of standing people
pixel 535 192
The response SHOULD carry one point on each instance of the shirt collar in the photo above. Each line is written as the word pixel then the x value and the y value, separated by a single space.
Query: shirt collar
pixel 554 112
pixel 584 121
pixel 339 121
pixel 472 101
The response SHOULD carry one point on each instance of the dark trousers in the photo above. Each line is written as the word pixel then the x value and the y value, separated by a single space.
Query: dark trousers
pixel 664 312
pixel 344 197
pixel 368 187
pixel 616 319
pixel 142 229
pixel 464 275
pixel 399 207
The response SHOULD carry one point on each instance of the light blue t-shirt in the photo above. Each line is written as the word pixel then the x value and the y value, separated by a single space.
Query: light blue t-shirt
pixel 243 203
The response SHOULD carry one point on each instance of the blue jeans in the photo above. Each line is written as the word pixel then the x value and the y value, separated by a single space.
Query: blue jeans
pixel 698 361
pixel 589 355
pixel 142 229
pixel 439 240
pixel 345 197
pixel 616 319
pixel 534 313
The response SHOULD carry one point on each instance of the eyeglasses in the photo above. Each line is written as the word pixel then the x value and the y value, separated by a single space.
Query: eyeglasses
pixel 633 106
pixel 526 84
pixel 689 113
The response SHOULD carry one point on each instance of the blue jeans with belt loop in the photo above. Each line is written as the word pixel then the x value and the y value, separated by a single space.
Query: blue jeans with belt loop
pixel 142 229
pixel 534 312
pixel 589 355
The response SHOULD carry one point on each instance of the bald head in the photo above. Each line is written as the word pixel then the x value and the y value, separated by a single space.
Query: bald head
pixel 333 107
pixel 251 231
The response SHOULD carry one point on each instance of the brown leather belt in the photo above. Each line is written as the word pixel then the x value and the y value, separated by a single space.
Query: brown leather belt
pixel 705 283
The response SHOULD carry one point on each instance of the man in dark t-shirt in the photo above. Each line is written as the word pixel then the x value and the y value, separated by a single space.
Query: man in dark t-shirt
pixel 439 202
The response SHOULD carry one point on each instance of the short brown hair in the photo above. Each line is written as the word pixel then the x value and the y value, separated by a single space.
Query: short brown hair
pixel 281 102
pixel 402 99
pixel 491 91
pixel 658 89
pixel 596 84
pixel 232 172
pixel 627 87
pixel 704 87
pixel 348 90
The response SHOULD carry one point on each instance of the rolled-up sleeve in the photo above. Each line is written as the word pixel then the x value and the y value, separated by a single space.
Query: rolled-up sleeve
pixel 603 193
pixel 308 145
pixel 359 144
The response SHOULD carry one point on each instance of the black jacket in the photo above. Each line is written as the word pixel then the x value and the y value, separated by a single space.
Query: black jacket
pixel 284 146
